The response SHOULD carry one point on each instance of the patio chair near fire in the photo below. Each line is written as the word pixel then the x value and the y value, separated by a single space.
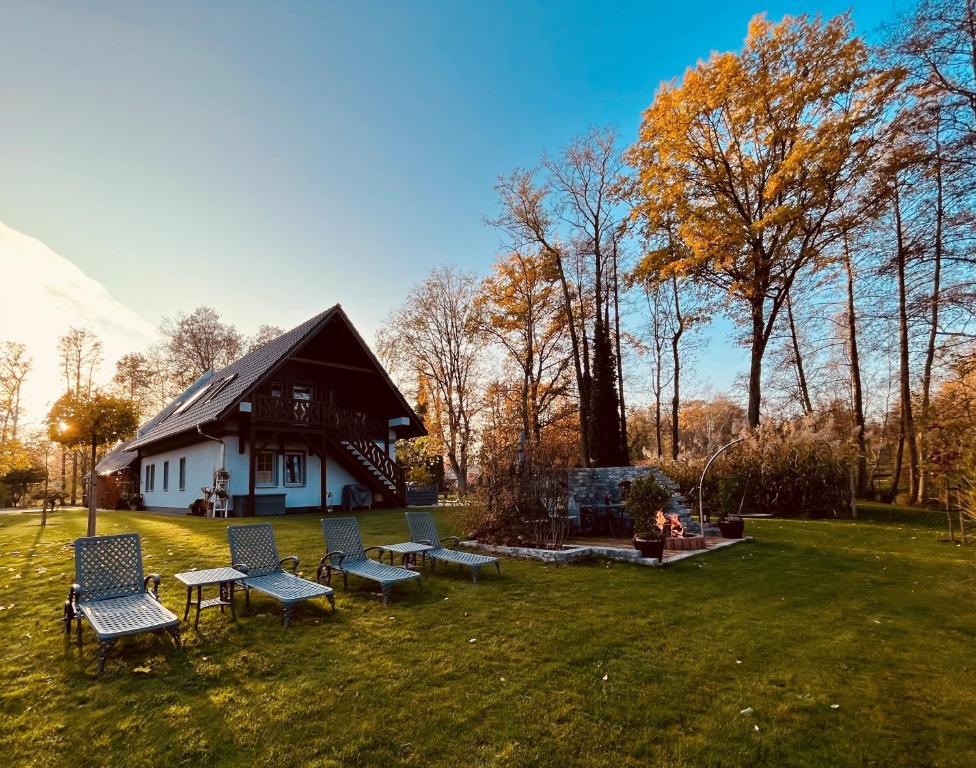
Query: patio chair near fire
pixel 253 551
pixel 111 592
pixel 424 531
pixel 344 553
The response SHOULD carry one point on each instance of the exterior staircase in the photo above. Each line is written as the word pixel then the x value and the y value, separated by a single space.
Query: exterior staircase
pixel 385 472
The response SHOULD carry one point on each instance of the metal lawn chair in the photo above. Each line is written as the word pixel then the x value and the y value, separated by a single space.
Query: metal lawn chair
pixel 112 593
pixel 423 531
pixel 344 553
pixel 253 551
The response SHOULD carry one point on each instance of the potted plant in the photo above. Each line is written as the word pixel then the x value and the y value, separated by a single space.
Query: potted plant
pixel 731 527
pixel 645 504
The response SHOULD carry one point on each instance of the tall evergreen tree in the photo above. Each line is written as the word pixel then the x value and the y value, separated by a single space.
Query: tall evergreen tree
pixel 603 426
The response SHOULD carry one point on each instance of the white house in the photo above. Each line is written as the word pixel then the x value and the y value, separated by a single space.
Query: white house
pixel 294 422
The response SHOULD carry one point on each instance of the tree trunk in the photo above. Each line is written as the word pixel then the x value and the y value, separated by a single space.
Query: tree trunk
pixel 907 417
pixel 933 320
pixel 624 450
pixel 676 363
pixel 755 363
pixel 857 395
pixel 581 385
pixel 74 477
pixel 92 501
pixel 798 361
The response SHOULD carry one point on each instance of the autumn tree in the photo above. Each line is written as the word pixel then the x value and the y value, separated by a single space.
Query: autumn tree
pixel 522 313
pixel 81 354
pixel 436 334
pixel 754 154
pixel 568 212
pixel 91 420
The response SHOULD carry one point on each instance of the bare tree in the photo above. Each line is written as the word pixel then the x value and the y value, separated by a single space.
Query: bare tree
pixel 436 334
pixel 199 342
pixel 14 367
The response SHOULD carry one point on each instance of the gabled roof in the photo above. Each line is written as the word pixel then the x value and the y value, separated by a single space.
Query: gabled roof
pixel 223 390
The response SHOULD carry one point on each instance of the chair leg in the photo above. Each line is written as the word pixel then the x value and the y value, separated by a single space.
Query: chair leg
pixel 286 615
pixel 345 580
pixel 474 574
pixel 331 599
pixel 78 629
pixel 175 634
pixel 68 617
pixel 386 594
pixel 498 567
pixel 104 646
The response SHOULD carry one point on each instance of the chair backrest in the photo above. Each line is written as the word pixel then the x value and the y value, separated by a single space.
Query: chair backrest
pixel 254 546
pixel 422 528
pixel 342 535
pixel 109 566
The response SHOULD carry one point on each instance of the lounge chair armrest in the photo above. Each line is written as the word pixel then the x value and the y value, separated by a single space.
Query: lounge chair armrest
pixel 378 549
pixel 455 539
pixel 329 560
pixel 73 594
pixel 155 578
pixel 293 559
pixel 242 567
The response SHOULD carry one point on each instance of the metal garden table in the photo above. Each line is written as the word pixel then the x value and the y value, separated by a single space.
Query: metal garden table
pixel 408 551
pixel 222 577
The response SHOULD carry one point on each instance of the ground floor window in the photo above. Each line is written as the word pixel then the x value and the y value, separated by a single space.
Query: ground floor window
pixel 265 468
pixel 165 475
pixel 294 468
pixel 182 477
pixel 150 477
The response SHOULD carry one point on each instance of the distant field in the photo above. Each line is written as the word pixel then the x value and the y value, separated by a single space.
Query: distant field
pixel 851 642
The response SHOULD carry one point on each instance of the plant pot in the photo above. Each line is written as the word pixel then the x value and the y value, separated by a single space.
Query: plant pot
pixel 650 547
pixel 732 529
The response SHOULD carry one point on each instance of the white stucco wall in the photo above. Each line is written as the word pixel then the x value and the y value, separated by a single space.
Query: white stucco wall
pixel 201 461
pixel 296 496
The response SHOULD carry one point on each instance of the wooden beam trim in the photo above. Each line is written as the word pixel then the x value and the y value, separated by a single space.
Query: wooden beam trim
pixel 343 366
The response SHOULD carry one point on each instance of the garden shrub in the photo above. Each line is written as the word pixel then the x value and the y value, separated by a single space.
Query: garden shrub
pixel 793 470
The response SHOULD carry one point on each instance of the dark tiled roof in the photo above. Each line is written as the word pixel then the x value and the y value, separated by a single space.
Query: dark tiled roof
pixel 246 372
pixel 118 458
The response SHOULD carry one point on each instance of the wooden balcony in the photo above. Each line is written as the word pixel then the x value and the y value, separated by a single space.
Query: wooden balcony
pixel 341 423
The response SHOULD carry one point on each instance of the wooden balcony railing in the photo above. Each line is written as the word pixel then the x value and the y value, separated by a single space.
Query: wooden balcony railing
pixel 341 423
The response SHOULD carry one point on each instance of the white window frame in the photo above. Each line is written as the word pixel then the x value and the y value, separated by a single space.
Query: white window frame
pixel 304 468
pixel 273 483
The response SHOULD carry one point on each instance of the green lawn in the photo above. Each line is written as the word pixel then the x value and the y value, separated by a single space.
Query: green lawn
pixel 851 641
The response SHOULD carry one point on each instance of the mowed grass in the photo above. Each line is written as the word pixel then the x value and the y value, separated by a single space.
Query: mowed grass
pixel 852 642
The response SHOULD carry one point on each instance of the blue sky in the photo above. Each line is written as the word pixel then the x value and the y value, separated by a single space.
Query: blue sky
pixel 270 159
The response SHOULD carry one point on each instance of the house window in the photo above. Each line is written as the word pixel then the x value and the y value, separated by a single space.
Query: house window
pixel 301 391
pixel 294 468
pixel 150 477
pixel 276 389
pixel 165 475
pixel 146 484
pixel 265 466
pixel 182 477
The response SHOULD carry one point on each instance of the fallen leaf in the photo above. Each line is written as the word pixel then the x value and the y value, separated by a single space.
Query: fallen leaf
pixel 746 711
